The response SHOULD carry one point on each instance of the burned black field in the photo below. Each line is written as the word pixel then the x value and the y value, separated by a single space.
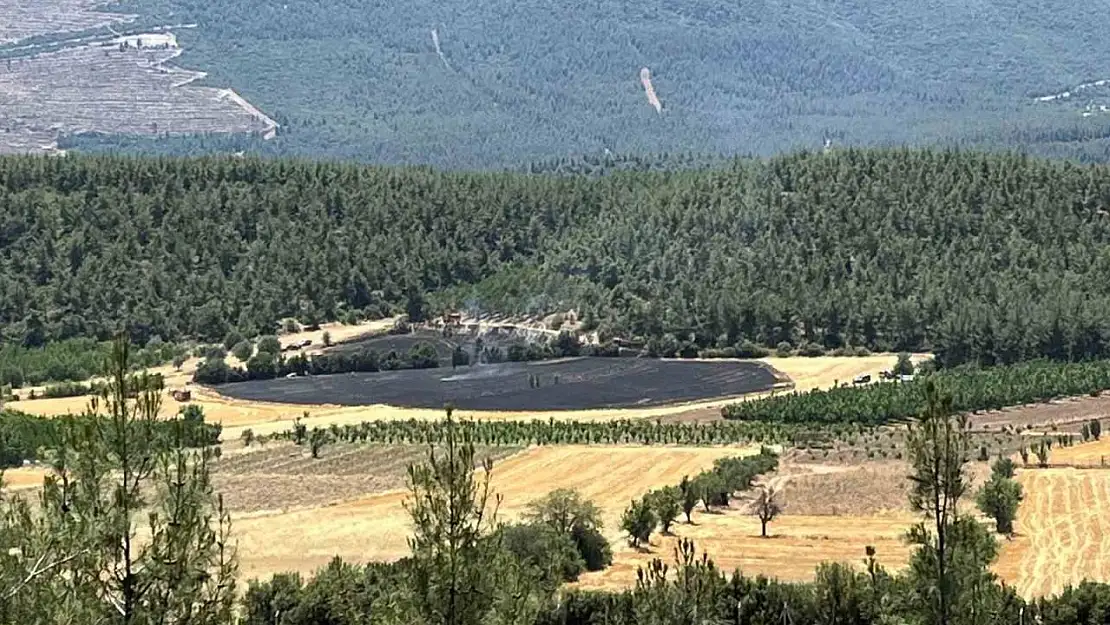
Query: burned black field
pixel 568 384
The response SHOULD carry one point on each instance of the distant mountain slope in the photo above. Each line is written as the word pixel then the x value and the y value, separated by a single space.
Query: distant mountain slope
pixel 530 80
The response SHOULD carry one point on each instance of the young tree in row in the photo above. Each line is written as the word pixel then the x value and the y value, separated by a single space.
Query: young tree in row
pixel 1000 496
pixel 666 504
pixel 638 521
pixel 1042 449
pixel 689 496
pixel 766 507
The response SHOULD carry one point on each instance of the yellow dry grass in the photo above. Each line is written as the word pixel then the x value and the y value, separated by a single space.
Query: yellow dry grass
pixel 377 527
pixel 1094 453
pixel 795 546
pixel 22 479
pixel 824 371
pixel 1063 532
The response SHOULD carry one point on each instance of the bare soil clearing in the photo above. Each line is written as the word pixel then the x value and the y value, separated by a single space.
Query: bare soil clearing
pixel 377 527
pixel 108 90
pixel 1066 414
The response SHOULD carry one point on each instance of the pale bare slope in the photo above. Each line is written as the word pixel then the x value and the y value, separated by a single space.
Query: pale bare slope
pixel 102 89
pixel 28 18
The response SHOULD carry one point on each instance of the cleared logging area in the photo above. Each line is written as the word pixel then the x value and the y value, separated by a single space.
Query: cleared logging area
pixel 104 89
pixel 29 18
pixel 572 384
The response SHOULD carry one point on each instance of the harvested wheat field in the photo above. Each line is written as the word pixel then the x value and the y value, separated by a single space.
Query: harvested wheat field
pixel 377 527
pixel 827 517
pixel 22 479
pixel 1063 531
pixel 1092 454
pixel 795 546
pixel 282 476
pixel 823 372
pixel 832 512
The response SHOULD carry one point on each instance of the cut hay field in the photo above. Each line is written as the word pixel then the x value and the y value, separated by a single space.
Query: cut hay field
pixel 1063 531
pixel 22 479
pixel 376 527
pixel 832 512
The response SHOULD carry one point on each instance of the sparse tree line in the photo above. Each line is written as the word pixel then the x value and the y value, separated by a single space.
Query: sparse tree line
pixel 807 252
pixel 718 486
pixel 266 365
pixel 971 389
pixel 554 432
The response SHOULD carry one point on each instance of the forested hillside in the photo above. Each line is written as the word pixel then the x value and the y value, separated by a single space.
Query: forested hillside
pixel 982 258
pixel 517 82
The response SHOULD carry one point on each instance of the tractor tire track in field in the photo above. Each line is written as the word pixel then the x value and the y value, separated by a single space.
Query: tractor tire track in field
pixel 1062 535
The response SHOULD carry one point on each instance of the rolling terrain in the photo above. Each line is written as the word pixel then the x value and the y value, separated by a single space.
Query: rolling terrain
pixel 500 84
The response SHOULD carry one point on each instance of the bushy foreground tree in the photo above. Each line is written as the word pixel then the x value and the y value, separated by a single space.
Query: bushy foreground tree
pixel 1000 496
pixel 127 528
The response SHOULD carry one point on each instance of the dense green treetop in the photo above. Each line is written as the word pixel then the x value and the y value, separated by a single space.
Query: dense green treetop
pixel 980 257
pixel 526 81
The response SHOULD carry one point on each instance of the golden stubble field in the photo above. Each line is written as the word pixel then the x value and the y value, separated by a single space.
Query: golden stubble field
pixel 376 526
